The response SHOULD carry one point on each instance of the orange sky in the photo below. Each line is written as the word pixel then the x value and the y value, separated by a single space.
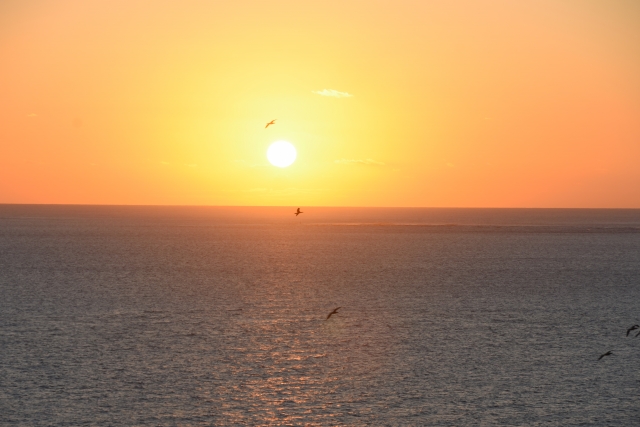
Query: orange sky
pixel 476 103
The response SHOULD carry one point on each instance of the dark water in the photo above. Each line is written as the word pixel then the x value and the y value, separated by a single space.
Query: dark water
pixel 124 316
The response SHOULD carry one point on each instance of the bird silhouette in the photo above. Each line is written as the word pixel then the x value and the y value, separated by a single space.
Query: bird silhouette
pixel 272 122
pixel 333 312
pixel 632 328
pixel 298 212
pixel 608 353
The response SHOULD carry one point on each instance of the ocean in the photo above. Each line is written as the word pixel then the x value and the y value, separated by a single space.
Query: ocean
pixel 198 316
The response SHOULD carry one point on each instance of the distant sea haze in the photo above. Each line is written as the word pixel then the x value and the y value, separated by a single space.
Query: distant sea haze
pixel 603 218
pixel 137 315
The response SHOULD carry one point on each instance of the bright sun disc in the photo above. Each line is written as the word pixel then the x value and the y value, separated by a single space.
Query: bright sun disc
pixel 281 154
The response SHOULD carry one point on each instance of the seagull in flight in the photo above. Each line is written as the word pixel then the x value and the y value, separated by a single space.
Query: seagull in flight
pixel 298 212
pixel 335 311
pixel 608 353
pixel 632 328
pixel 272 122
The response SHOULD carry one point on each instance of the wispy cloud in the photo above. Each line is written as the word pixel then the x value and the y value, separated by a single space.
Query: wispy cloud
pixel 331 92
pixel 32 115
pixel 290 191
pixel 367 162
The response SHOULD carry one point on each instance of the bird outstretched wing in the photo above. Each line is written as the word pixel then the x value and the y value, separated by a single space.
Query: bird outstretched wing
pixel 332 313
pixel 608 353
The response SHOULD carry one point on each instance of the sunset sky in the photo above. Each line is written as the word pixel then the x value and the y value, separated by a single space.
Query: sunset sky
pixel 474 103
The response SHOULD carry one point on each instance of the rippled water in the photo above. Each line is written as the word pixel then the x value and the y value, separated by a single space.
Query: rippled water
pixel 214 316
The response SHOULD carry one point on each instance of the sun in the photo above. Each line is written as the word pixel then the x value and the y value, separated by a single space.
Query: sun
pixel 281 154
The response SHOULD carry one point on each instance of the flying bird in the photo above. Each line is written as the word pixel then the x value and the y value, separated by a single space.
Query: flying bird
pixel 608 353
pixel 272 122
pixel 298 212
pixel 332 313
pixel 632 328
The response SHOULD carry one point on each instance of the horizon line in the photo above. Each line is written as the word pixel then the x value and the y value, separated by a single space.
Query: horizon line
pixel 313 206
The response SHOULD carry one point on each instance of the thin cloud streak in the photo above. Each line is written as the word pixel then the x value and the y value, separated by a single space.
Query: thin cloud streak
pixel 290 191
pixel 367 162
pixel 333 93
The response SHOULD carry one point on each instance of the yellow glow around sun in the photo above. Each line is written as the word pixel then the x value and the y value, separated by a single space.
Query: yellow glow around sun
pixel 281 154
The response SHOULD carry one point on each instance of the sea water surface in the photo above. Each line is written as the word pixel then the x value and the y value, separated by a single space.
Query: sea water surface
pixel 195 316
